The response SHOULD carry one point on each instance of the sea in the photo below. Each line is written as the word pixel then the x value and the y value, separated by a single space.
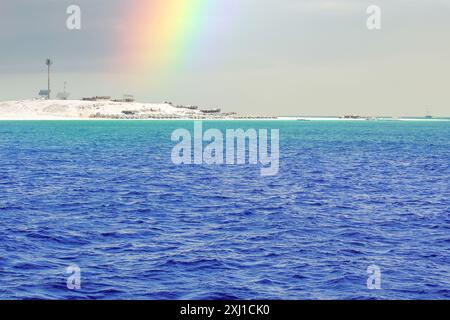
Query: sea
pixel 103 198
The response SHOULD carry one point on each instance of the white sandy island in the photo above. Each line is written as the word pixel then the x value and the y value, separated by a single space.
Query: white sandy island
pixel 41 109
pixel 77 109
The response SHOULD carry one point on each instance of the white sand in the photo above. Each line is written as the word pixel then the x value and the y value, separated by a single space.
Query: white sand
pixel 40 109
pixel 76 109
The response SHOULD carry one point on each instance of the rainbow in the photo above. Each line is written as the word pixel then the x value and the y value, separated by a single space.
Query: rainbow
pixel 162 33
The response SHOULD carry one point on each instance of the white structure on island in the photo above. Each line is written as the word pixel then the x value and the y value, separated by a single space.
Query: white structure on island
pixel 63 95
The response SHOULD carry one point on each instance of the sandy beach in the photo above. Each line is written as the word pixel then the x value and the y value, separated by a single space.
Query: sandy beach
pixel 41 109
pixel 77 109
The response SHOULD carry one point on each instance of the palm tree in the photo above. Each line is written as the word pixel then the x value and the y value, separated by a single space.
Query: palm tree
pixel 48 63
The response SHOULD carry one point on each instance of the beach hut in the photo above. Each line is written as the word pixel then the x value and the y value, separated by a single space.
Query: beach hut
pixel 44 93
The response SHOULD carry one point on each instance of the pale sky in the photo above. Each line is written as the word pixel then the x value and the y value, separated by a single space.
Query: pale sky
pixel 281 57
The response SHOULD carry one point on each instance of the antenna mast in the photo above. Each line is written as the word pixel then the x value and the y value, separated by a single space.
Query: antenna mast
pixel 48 63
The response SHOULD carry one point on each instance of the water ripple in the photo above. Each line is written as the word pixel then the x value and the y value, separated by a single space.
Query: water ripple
pixel 105 196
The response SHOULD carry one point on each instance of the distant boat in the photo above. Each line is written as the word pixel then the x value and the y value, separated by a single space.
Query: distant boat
pixel 428 116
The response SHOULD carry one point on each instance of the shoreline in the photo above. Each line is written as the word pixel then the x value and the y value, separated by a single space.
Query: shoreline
pixel 107 110
pixel 279 119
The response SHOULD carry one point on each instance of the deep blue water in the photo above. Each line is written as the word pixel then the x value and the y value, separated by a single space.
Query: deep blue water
pixel 106 196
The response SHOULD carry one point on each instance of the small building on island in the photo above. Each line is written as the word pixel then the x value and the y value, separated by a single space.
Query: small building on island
pixel 43 93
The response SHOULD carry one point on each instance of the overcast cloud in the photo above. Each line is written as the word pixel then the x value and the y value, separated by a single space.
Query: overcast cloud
pixel 292 57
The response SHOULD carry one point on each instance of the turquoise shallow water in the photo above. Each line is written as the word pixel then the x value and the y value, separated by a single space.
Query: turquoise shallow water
pixel 105 195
